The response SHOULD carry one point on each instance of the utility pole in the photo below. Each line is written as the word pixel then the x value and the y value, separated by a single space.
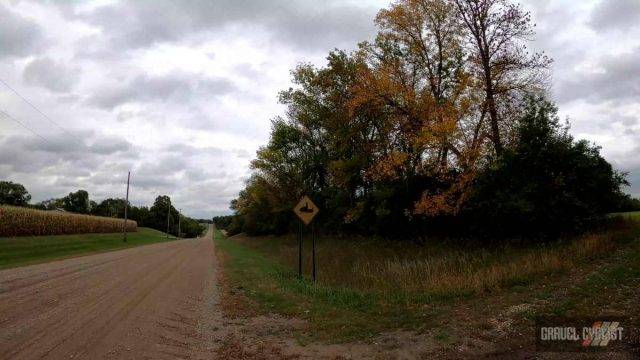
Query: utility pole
pixel 179 218
pixel 126 208
pixel 168 214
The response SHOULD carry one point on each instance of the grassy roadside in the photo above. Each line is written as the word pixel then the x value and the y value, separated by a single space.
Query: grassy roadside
pixel 20 251
pixel 614 288
pixel 631 214
pixel 333 314
pixel 356 311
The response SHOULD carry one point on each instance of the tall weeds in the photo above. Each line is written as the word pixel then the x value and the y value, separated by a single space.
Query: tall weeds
pixel 445 270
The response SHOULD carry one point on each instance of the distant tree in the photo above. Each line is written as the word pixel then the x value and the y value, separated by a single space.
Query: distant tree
pixel 142 216
pixel 204 221
pixel 158 213
pixel 190 228
pixel 109 208
pixel 50 204
pixel 77 202
pixel 222 222
pixel 13 194
pixel 627 203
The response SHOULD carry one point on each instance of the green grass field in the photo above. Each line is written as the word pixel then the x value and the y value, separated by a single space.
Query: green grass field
pixel 19 251
pixel 365 289
pixel 632 214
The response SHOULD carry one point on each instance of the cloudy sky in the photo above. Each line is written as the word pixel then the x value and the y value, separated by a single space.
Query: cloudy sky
pixel 182 92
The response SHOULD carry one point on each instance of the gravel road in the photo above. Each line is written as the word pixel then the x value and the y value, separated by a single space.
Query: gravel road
pixel 144 302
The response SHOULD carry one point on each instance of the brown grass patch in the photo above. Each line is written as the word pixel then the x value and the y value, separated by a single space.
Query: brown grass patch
pixel 374 266
pixel 233 349
pixel 233 303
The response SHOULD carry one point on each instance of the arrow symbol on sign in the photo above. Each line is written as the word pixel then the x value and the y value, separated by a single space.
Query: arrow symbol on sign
pixel 306 208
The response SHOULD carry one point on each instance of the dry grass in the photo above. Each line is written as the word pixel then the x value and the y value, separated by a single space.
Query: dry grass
pixel 479 270
pixel 19 221
pixel 233 303
pixel 372 266
pixel 232 348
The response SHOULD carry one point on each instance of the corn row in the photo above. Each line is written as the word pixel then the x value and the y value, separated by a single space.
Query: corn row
pixel 19 221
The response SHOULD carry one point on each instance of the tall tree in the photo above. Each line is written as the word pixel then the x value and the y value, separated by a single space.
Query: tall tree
pixel 160 211
pixel 77 202
pixel 426 38
pixel 110 208
pixel 418 72
pixel 13 194
pixel 496 31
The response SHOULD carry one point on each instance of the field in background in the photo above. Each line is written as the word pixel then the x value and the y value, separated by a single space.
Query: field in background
pixel 629 215
pixel 366 287
pixel 22 221
pixel 18 251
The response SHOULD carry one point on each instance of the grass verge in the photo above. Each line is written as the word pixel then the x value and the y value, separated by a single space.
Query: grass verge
pixel 365 288
pixel 613 288
pixel 333 314
pixel 20 251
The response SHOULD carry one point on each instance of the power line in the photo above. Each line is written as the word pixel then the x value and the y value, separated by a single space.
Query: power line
pixel 41 113
pixel 24 126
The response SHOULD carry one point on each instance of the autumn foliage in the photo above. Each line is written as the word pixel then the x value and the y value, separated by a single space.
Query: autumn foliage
pixel 394 138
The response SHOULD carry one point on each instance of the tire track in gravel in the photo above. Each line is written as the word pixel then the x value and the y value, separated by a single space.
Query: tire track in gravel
pixel 137 303
pixel 29 307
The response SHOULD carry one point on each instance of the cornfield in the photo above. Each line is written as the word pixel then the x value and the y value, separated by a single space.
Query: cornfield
pixel 18 221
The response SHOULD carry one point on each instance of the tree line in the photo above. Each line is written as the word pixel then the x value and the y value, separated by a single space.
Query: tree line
pixel 155 216
pixel 442 124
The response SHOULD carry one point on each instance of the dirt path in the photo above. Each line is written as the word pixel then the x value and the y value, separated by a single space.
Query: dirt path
pixel 144 302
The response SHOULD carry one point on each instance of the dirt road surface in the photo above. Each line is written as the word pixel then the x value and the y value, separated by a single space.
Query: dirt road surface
pixel 144 302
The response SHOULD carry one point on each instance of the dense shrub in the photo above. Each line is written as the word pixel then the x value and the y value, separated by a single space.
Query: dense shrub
pixel 20 221
pixel 545 182
pixel 627 203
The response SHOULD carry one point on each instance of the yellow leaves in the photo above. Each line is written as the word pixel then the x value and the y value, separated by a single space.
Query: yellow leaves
pixel 389 167
pixel 433 205
pixel 449 201
pixel 355 213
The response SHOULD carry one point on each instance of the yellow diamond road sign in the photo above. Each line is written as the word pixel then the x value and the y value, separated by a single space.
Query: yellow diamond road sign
pixel 306 210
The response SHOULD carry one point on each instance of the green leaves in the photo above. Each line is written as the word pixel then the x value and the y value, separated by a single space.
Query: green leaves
pixel 13 194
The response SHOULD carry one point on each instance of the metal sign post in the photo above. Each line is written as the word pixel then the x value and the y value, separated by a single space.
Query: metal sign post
pixel 306 210
pixel 126 207
pixel 300 249
pixel 313 256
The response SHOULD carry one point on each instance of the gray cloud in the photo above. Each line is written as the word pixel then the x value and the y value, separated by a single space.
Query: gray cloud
pixel 616 15
pixel 185 150
pixel 51 75
pixel 19 36
pixel 188 105
pixel 634 181
pixel 144 88
pixel 110 145
pixel 629 120
pixel 618 80
pixel 301 23
pixel 26 154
